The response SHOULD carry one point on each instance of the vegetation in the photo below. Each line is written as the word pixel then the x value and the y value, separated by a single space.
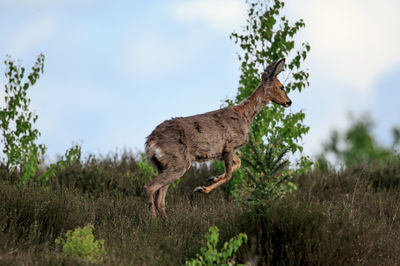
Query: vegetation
pixel 210 255
pixel 22 154
pixel 345 217
pixel 81 243
pixel 358 146
pixel 269 36
pixel 51 215
pixel 266 176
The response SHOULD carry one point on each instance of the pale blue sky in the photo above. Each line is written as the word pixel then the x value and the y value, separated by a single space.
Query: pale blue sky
pixel 116 69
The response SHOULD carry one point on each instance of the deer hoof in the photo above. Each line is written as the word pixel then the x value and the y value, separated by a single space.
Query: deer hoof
pixel 164 216
pixel 201 189
pixel 211 179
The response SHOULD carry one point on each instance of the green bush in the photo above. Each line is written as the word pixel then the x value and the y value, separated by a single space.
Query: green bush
pixel 266 175
pixel 71 157
pixel 81 243
pixel 210 255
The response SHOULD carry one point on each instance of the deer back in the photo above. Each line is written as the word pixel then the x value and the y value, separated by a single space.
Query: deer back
pixel 205 136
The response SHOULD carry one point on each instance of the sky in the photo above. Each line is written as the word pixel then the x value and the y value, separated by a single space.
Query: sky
pixel 114 70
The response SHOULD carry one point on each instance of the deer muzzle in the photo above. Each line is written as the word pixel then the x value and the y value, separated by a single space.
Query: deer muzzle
pixel 288 103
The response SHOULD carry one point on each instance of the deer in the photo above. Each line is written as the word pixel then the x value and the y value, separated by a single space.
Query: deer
pixel 175 144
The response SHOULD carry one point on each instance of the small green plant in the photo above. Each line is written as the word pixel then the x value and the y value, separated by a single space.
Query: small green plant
pixel 81 243
pixel 22 154
pixel 210 255
pixel 266 174
pixel 71 156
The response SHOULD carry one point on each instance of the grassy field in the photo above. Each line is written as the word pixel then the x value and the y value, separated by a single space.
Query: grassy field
pixel 334 218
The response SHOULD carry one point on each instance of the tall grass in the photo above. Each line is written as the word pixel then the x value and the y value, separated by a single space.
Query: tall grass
pixel 346 217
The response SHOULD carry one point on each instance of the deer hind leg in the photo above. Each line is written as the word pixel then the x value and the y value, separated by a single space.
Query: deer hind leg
pixel 232 162
pixel 160 201
pixel 236 165
pixel 165 178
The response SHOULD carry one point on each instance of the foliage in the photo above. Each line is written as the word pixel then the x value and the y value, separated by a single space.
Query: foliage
pixel 145 168
pixel 210 255
pixel 267 175
pixel 357 145
pixel 345 217
pixel 269 36
pixel 17 122
pixel 71 156
pixel 81 243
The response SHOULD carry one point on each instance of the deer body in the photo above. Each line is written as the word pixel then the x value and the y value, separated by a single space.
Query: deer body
pixel 176 143
pixel 200 137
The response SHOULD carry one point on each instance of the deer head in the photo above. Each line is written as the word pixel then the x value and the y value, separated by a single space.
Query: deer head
pixel 273 88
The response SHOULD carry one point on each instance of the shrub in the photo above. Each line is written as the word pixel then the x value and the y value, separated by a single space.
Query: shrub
pixel 81 243
pixel 210 255
pixel 291 232
pixel 71 156
pixel 111 174
pixel 266 175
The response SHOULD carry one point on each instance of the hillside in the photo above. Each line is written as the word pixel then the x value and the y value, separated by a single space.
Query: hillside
pixel 346 217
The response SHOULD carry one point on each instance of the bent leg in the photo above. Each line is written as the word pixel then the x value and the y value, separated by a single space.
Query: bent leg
pixel 235 166
pixel 232 162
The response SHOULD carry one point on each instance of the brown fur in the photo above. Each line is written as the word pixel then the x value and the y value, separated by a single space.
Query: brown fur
pixel 176 143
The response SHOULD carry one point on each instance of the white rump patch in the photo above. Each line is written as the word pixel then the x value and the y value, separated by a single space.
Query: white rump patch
pixel 156 150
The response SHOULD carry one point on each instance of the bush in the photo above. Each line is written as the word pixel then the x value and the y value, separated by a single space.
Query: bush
pixel 33 215
pixel 210 255
pixel 112 174
pixel 81 243
pixel 266 175
pixel 300 233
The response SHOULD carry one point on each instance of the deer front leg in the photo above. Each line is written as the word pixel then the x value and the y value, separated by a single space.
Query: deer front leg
pixel 236 165
pixel 232 162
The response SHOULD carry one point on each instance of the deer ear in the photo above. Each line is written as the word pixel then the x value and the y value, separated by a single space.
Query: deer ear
pixel 274 69
pixel 279 66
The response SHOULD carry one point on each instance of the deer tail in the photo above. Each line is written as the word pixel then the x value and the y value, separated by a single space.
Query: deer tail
pixel 154 154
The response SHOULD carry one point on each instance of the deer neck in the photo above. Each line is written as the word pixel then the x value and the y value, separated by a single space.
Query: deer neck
pixel 253 104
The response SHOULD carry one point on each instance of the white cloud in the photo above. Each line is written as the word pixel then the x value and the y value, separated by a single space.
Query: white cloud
pixel 222 15
pixel 354 41
pixel 30 35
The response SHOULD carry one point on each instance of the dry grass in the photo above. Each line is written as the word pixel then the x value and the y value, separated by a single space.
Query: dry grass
pixel 349 217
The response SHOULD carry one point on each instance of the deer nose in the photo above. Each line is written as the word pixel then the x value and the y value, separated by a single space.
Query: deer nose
pixel 289 103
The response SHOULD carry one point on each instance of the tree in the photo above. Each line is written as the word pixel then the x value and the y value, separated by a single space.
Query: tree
pixel 267 37
pixel 357 145
pixel 22 154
